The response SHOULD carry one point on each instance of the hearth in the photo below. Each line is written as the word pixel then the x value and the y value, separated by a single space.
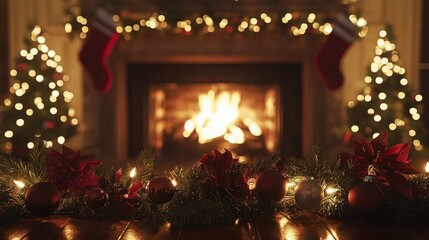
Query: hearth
pixel 183 110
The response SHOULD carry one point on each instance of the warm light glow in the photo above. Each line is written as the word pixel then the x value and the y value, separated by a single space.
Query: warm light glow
pixel 133 172
pixel 427 167
pixel 330 190
pixel 8 134
pixel 251 183
pixel 61 139
pixel 419 97
pixel 355 128
pixel 19 184
pixel 174 182
pixel 217 117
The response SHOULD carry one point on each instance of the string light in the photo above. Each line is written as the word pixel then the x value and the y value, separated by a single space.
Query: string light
pixel 19 184
pixel 331 190
pixel 20 87
pixel 206 24
pixel 133 172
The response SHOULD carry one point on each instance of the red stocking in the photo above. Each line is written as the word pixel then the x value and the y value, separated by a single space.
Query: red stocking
pixel 102 37
pixel 329 56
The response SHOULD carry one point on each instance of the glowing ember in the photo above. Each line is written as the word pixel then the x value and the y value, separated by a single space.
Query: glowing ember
pixel 218 117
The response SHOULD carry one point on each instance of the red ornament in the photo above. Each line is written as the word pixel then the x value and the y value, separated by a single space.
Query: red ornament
pixel 95 198
pixel 42 199
pixel 308 194
pixel 160 190
pixel 366 198
pixel 271 186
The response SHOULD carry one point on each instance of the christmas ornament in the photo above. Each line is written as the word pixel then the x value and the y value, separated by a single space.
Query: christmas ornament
pixel 102 37
pixel 308 194
pixel 160 190
pixel 328 58
pixel 366 198
pixel 95 198
pixel 270 186
pixel 42 199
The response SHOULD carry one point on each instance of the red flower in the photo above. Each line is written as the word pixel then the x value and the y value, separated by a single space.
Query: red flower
pixel 68 171
pixel 123 200
pixel 388 164
pixel 218 167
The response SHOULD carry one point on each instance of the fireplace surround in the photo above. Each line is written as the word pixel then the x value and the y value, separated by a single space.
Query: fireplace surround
pixel 161 97
pixel 109 128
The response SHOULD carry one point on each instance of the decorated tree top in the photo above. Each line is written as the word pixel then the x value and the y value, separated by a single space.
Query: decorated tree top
pixel 387 103
pixel 37 106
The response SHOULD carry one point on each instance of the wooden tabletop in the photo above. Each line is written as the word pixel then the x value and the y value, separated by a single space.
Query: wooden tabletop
pixel 304 226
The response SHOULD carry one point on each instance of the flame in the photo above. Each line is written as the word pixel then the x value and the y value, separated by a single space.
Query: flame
pixel 133 172
pixel 19 184
pixel 218 117
pixel 427 167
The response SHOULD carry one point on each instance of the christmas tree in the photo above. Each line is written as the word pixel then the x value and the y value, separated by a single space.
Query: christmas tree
pixel 387 103
pixel 37 107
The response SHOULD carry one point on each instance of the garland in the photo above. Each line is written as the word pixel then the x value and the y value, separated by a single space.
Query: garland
pixel 218 187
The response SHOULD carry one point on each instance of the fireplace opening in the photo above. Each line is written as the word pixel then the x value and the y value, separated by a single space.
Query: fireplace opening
pixel 182 111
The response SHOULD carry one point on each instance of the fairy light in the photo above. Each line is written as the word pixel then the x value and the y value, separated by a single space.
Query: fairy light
pixel 383 106
pixel 48 144
pixel 331 190
pixel 174 182
pixel 20 122
pixel 354 128
pixel 401 95
pixel 251 183
pixel 370 111
pixel 61 140
pixel 30 145
pixel 351 104
pixel 392 126
pixel 412 133
pixel 8 134
pixel 159 22
pixel 418 98
pixel 377 118
pixel 133 172
pixel 19 184
pixel 375 135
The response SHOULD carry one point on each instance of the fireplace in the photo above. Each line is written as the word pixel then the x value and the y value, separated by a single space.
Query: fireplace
pixel 160 70
pixel 183 110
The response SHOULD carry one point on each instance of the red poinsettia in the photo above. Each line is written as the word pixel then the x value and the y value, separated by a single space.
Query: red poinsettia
pixel 218 168
pixel 123 200
pixel 69 172
pixel 388 164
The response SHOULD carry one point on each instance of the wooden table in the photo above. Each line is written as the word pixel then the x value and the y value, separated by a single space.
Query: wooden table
pixel 304 226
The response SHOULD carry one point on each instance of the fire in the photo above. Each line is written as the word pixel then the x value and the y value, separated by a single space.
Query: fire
pixel 218 117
